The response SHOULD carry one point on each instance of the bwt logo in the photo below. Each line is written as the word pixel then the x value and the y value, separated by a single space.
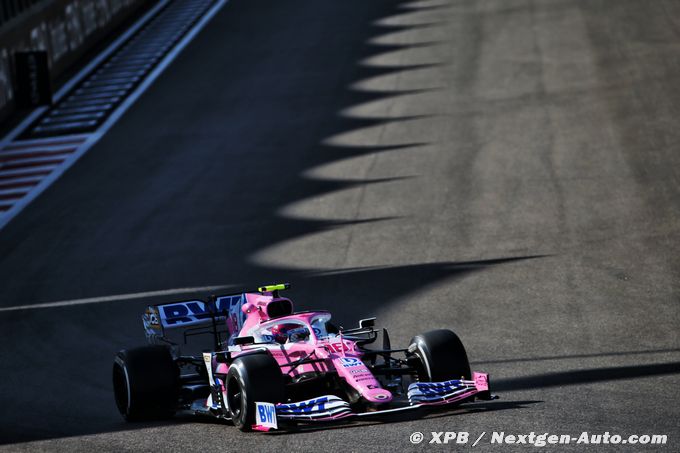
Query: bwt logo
pixel 349 362
pixel 443 387
pixel 305 407
pixel 185 312
pixel 267 413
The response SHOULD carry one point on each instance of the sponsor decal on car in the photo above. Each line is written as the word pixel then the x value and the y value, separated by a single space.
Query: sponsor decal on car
pixel 151 320
pixel 197 311
pixel 265 415
pixel 349 362
pixel 439 387
pixel 313 405
pixel 365 378
pixel 339 347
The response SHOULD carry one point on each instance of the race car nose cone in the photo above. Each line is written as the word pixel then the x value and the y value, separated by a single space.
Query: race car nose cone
pixel 378 396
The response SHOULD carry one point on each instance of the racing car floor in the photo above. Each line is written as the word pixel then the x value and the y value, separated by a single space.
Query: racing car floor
pixel 504 168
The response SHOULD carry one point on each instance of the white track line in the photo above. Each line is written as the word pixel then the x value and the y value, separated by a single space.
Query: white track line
pixel 66 148
pixel 57 141
pixel 109 50
pixel 115 298
pixel 93 138
pixel 25 171
pixel 21 191
pixel 23 161
pixel 153 75
pixel 28 180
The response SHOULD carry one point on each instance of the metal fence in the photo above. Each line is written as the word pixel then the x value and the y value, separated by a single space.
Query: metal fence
pixel 12 8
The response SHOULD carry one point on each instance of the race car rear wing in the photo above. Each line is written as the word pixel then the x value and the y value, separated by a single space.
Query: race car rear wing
pixel 191 312
pixel 158 319
pixel 197 313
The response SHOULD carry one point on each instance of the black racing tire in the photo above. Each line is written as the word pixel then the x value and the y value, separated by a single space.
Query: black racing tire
pixel 442 356
pixel 146 383
pixel 252 378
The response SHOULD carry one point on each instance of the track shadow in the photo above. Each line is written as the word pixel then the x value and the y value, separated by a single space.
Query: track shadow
pixel 587 376
pixel 575 356
pixel 360 292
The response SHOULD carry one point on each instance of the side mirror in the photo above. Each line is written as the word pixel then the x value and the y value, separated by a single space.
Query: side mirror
pixel 238 341
pixel 365 323
pixel 222 357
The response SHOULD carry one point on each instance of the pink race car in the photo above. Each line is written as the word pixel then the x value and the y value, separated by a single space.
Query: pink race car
pixel 269 365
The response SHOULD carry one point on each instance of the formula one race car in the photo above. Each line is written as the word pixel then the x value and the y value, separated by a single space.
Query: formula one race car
pixel 270 365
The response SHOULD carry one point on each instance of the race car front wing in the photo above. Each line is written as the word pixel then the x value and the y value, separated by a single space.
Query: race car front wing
pixel 331 407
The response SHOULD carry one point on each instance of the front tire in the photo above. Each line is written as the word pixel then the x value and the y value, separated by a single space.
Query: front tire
pixel 145 383
pixel 252 378
pixel 442 356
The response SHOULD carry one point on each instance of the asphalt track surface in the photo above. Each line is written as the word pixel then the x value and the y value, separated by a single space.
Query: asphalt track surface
pixel 508 169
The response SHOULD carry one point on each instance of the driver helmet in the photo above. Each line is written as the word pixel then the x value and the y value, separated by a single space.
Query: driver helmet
pixel 282 331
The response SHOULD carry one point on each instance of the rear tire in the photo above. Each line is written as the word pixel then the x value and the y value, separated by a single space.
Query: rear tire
pixel 145 383
pixel 442 356
pixel 252 378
